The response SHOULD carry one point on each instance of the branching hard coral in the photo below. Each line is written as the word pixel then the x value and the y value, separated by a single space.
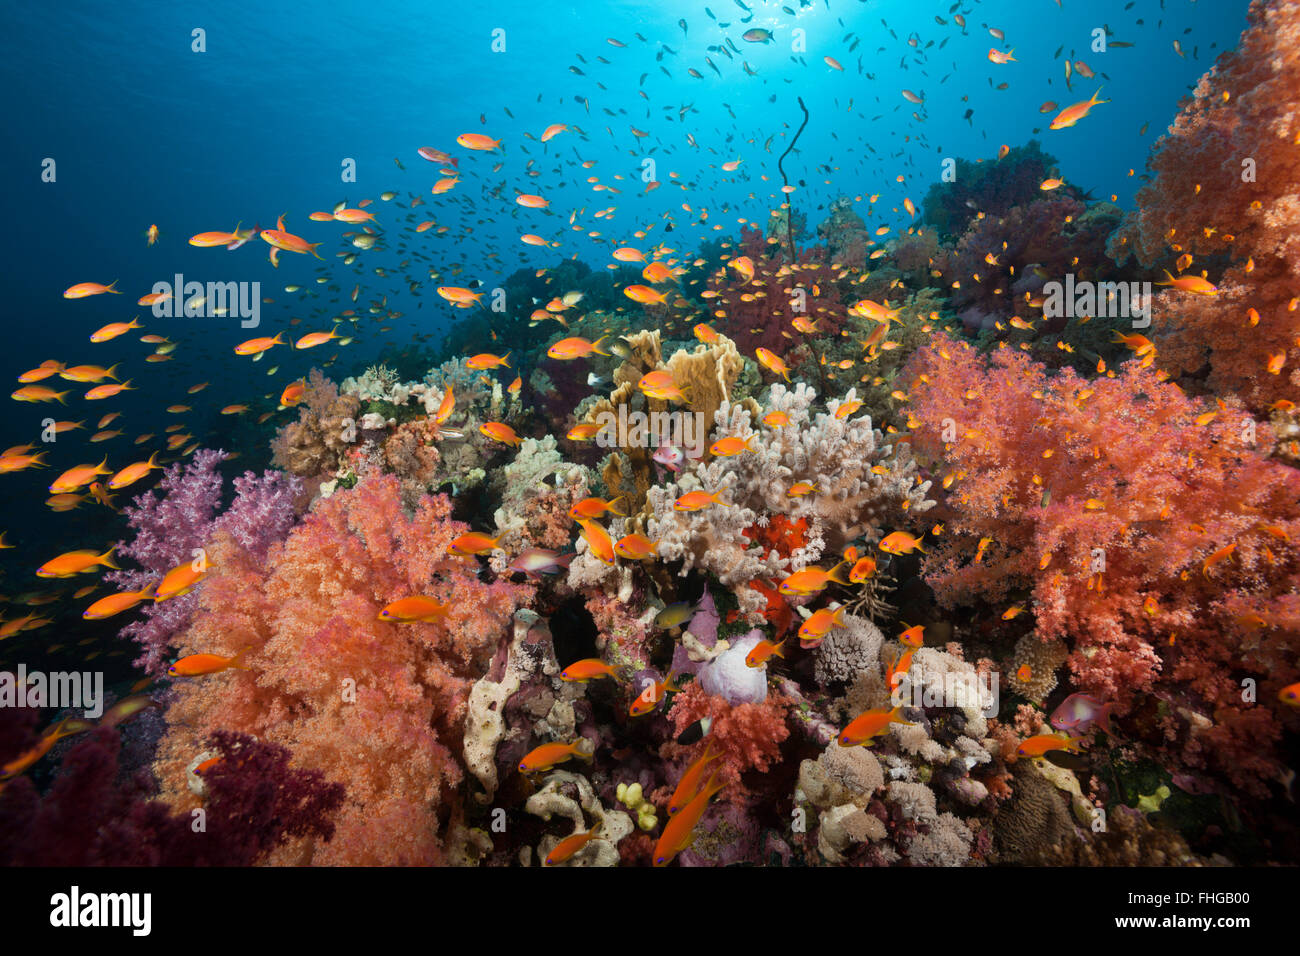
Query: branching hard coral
pixel 177 518
pixel 858 482
pixel 376 705
pixel 1224 193
pixel 1162 545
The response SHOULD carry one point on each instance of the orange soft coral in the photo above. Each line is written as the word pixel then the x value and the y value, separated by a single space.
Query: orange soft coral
pixel 1224 192
pixel 377 706
pixel 1163 550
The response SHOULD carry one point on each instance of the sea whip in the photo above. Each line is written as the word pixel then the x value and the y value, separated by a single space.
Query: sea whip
pixel 789 240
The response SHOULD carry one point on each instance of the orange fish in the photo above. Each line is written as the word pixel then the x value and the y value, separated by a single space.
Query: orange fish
pixel 864 728
pixel 418 607
pixel 197 665
pixel 133 473
pixel 591 668
pixel 116 604
pixel 651 697
pixel 679 831
pixel 546 756
pixel 83 289
pixel 179 580
pixel 259 345
pixel 698 500
pixel 773 363
pixel 688 787
pixel 763 650
pixel 1221 555
pixel 820 624
pixel 486 360
pixel 280 239
pixel 293 393
pixel 900 542
pixel 1072 114
pixel 635 547
pixel 1045 743
pixel 477 141
pixel 313 339
pixel 569 847
pixel 598 540
pixel 727 447
pixel 76 562
pixel 1290 695
pixel 811 580
pixel 113 330
pixel 645 295
pixel 473 543
pixel 461 297
pixel 76 477
pixel 862 570
pixel 575 348
pixel 913 636
pixel 38 393
pixel 595 507
pixel 1193 284
pixel 500 431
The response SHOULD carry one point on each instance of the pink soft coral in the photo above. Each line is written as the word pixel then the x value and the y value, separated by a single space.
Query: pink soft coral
pixel 377 706
pixel 1198 530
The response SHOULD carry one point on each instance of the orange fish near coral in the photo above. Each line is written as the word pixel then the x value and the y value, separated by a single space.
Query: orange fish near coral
pixel 812 580
pixel 1046 743
pixel 473 542
pixel 650 698
pixel 569 847
pixel 591 668
pixel 575 348
pixel 418 607
pixel 1193 284
pixel 679 830
pixel 546 756
pixel 698 500
pixel 900 542
pixel 500 431
pixel 598 540
pixel 764 650
pixel 197 665
pixel 866 727
pixel 773 363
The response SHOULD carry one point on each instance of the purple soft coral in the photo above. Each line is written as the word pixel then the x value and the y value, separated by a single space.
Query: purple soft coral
pixel 170 527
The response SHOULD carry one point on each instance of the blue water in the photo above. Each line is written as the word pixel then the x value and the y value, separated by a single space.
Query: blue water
pixel 145 131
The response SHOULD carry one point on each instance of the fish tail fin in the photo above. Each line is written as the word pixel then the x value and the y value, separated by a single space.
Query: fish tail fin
pixel 610 507
pixel 1096 101
pixel 312 246
pixel 506 359
pixel 59 397
pixel 595 346
pixel 838 617
pixel 834 574
pixel 110 288
pixel 671 684
pixel 110 370
pixel 106 559
pixel 237 661
pixel 580 750
pixel 779 650
pixel 896 717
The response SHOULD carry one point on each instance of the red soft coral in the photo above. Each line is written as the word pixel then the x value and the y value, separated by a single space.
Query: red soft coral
pixel 747 736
